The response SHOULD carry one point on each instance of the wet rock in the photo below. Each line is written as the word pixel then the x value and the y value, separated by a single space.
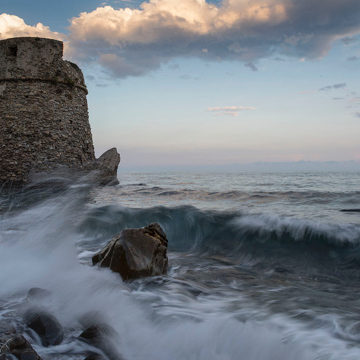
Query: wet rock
pixel 107 166
pixel 45 325
pixel 7 331
pixel 38 295
pixel 102 337
pixel 95 356
pixel 20 348
pixel 136 253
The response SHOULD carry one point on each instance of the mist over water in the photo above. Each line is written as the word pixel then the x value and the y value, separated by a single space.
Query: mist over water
pixel 262 266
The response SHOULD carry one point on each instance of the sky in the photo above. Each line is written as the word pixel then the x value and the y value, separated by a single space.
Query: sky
pixel 193 83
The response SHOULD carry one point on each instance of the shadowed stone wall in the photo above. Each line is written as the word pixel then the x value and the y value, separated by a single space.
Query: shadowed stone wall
pixel 43 110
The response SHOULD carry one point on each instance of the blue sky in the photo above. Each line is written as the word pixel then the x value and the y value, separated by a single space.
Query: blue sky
pixel 194 82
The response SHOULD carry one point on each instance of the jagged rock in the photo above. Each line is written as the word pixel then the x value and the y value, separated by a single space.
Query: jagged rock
pixel 45 325
pixel 101 336
pixel 19 347
pixel 107 166
pixel 136 253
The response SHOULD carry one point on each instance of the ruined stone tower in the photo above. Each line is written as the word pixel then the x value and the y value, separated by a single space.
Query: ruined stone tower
pixel 43 110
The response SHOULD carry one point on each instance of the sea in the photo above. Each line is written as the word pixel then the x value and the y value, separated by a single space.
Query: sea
pixel 262 265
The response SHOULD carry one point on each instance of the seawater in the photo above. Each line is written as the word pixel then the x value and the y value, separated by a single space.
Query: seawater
pixel 263 266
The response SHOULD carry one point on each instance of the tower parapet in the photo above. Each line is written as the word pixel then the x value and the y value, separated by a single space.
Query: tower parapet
pixel 44 118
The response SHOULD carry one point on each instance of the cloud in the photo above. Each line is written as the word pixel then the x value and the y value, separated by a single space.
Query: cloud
pixel 357 114
pixel 353 58
pixel 229 110
pixel 13 26
pixel 140 40
pixel 187 77
pixel 135 41
pixel 251 66
pixel 335 86
pixel 279 59
pixel 355 100
pixel 349 40
pixel 339 86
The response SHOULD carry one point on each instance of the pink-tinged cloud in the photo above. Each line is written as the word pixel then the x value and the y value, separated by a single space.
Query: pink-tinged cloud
pixel 141 40
pixel 229 110
pixel 13 26
pixel 134 42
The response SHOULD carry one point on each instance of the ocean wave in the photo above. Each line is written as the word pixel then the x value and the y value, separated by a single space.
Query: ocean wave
pixel 268 241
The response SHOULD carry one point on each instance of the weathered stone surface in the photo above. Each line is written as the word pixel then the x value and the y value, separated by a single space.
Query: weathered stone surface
pixel 45 325
pixel 44 122
pixel 136 253
pixel 106 166
pixel 43 110
pixel 19 347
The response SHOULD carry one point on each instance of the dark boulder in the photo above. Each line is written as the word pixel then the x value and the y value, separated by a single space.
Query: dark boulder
pixel 94 356
pixel 101 336
pixel 20 348
pixel 45 325
pixel 136 253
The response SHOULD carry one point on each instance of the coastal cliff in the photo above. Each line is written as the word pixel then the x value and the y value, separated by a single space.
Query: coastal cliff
pixel 44 121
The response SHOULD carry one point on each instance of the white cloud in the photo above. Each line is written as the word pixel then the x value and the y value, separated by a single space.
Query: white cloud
pixel 13 26
pixel 229 110
pixel 136 41
pixel 161 30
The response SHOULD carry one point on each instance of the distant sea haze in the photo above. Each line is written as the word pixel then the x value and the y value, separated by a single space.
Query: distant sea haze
pixel 301 165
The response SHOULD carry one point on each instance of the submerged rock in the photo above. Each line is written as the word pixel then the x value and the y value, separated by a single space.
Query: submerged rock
pixel 45 325
pixel 19 347
pixel 101 336
pixel 38 295
pixel 136 253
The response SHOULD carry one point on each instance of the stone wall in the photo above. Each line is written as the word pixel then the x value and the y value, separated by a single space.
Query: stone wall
pixel 43 110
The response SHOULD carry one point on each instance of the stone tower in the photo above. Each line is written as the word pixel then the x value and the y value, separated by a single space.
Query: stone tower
pixel 44 118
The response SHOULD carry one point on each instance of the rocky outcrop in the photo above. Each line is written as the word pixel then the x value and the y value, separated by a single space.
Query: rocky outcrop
pixel 136 253
pixel 45 325
pixel 106 167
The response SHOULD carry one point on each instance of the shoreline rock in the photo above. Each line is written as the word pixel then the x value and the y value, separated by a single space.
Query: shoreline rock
pixel 45 325
pixel 136 253
pixel 18 347
pixel 101 337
